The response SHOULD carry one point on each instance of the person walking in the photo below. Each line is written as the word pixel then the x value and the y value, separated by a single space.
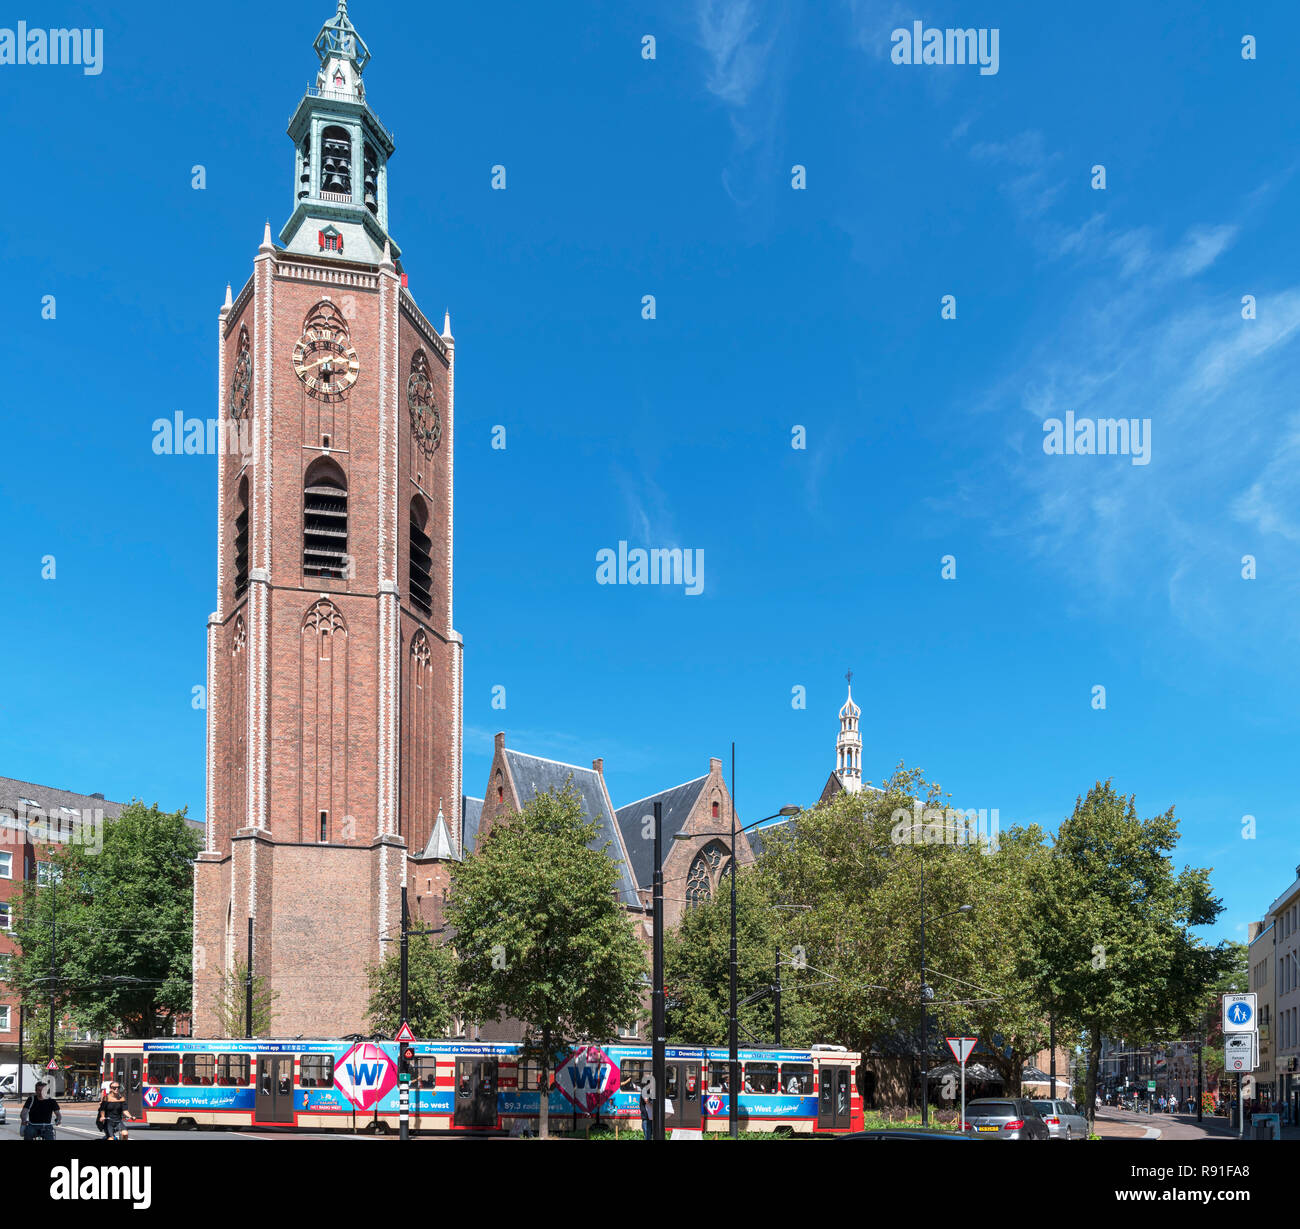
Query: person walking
pixel 647 1102
pixel 40 1115
pixel 112 1111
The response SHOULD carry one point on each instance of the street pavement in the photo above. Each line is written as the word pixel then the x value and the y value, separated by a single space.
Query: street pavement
pixel 1115 1123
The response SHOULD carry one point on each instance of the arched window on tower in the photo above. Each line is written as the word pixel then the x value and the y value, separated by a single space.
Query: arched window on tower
pixel 371 181
pixel 325 520
pixel 421 568
pixel 336 162
pixel 707 870
pixel 241 538
pixel 716 809
pixel 304 175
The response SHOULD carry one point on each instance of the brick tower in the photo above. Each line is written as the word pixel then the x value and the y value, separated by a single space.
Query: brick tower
pixel 334 675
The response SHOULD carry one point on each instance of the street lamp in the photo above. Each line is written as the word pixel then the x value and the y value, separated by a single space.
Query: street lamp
pixel 733 1055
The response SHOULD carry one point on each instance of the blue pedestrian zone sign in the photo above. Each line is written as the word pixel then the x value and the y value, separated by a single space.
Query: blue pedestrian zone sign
pixel 1238 1013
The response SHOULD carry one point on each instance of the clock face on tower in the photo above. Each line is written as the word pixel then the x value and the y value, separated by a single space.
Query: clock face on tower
pixel 426 422
pixel 323 356
pixel 241 379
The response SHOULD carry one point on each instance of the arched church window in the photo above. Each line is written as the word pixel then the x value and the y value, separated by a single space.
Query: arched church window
pixel 241 538
pixel 325 520
pixel 336 161
pixel 707 869
pixel 715 810
pixel 421 567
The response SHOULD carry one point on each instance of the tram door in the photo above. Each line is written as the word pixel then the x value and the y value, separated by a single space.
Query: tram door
pixel 834 1103
pixel 683 1094
pixel 274 1102
pixel 476 1092
pixel 128 1071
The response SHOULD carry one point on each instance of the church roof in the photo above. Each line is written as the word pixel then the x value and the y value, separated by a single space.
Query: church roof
pixel 440 843
pixel 470 811
pixel 533 775
pixel 678 803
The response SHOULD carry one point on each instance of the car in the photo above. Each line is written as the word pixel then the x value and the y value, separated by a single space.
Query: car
pixel 1064 1119
pixel 909 1133
pixel 1005 1118
pixel 2 1113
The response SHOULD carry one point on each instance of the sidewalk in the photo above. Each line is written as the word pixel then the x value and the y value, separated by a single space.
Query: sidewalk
pixel 1121 1124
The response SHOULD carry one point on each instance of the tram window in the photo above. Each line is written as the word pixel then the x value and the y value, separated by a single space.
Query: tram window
pixel 198 1068
pixel 760 1077
pixel 264 1077
pixel 632 1074
pixel 426 1071
pixel 232 1070
pixel 719 1077
pixel 530 1076
pixel 827 1090
pixel 670 1090
pixel 317 1071
pixel 164 1068
pixel 797 1079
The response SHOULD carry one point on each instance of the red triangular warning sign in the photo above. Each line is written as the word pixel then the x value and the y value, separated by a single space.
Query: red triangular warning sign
pixel 404 1033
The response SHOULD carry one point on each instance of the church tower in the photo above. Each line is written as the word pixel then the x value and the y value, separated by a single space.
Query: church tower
pixel 848 746
pixel 334 673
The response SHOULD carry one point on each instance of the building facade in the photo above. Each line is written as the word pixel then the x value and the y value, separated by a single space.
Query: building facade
pixel 334 670
pixel 1284 913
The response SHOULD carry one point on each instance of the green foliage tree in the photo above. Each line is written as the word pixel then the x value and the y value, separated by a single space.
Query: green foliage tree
pixel 1115 952
pixel 431 988
pixel 697 970
pixel 118 922
pixel 540 934
pixel 854 867
pixel 230 1002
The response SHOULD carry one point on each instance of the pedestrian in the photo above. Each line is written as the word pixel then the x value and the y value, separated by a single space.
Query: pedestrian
pixel 647 1101
pixel 40 1114
pixel 112 1110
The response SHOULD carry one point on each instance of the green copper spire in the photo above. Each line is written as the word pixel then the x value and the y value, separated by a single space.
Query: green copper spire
pixel 338 39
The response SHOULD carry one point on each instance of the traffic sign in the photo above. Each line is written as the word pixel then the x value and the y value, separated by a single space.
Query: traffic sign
pixel 404 1033
pixel 588 1078
pixel 1151 1085
pixel 961 1047
pixel 51 1065
pixel 1241 1051
pixel 1239 1013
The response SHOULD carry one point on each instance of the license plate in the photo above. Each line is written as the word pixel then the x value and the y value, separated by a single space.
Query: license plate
pixel 986 1128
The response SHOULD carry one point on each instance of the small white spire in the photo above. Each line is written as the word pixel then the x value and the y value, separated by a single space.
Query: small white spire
pixel 229 303
pixel 387 262
pixel 267 245
pixel 446 325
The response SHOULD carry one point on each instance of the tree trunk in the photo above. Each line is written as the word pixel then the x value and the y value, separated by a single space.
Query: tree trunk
pixel 544 1109
pixel 1090 1088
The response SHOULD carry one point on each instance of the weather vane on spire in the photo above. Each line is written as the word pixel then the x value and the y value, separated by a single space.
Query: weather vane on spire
pixel 339 37
pixel 848 676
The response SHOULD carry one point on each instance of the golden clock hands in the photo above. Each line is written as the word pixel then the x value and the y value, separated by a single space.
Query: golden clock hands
pixel 327 359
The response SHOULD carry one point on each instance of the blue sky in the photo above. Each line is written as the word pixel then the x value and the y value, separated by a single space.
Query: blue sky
pixel 774 308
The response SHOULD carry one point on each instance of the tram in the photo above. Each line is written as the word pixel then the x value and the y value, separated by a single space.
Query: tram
pixel 473 1086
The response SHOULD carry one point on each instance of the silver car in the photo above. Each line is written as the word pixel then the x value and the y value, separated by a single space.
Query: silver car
pixel 1004 1118
pixel 1064 1119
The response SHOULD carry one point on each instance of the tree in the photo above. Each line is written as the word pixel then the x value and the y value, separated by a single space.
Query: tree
pixel 431 988
pixel 121 919
pixel 853 868
pixel 230 1002
pixel 1114 948
pixel 540 933
pixel 697 970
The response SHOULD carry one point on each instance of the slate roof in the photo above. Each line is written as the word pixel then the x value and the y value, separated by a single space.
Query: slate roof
pixel 440 845
pixel 16 798
pixel 533 775
pixel 677 805
pixel 470 811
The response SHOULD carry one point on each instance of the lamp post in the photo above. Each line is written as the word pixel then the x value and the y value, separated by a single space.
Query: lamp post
pixel 733 1040
pixel 926 995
